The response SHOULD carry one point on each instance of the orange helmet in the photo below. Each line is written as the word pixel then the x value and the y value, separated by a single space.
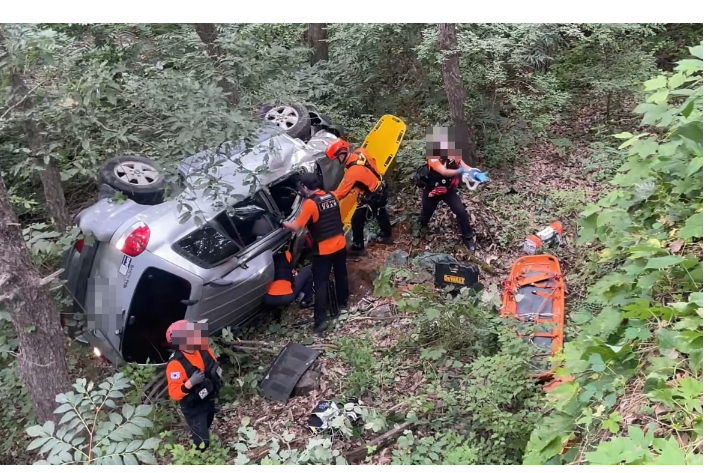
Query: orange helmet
pixel 337 148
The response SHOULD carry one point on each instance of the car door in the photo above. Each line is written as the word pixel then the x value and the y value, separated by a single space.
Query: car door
pixel 238 295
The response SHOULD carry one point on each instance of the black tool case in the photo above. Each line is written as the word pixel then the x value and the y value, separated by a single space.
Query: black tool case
pixel 458 275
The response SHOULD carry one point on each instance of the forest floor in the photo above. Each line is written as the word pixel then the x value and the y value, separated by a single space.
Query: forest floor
pixel 554 183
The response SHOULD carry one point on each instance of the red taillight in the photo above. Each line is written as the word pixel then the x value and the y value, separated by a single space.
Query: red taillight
pixel 134 240
pixel 79 245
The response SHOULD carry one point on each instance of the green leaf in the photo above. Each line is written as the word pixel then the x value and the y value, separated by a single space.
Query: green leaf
pixel 693 227
pixel 36 431
pixel 694 166
pixel 676 80
pixel 696 298
pixel 663 262
pixel 150 444
pixel 689 66
pixel 146 457
pixel 656 83
pixel 38 442
pixel 62 408
pixel 658 96
pixel 697 51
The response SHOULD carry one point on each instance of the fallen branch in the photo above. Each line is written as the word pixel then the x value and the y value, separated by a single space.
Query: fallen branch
pixel 47 279
pixel 359 454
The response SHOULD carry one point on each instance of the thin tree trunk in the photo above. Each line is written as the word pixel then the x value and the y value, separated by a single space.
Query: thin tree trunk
pixel 208 34
pixel 317 42
pixel 453 86
pixel 49 175
pixel 41 358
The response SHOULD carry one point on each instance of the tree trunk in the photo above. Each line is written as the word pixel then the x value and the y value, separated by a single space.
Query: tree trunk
pixel 317 42
pixel 41 358
pixel 208 34
pixel 49 175
pixel 453 86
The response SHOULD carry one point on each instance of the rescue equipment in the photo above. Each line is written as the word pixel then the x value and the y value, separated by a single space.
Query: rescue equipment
pixel 548 236
pixel 534 294
pixel 382 143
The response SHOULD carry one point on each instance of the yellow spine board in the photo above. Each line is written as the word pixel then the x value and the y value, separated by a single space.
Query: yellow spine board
pixel 382 144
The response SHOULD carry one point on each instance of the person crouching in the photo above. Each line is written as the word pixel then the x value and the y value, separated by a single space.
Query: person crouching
pixel 289 284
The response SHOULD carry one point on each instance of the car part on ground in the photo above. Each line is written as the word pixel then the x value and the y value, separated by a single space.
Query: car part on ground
pixel 292 118
pixel 534 293
pixel 284 373
pixel 138 177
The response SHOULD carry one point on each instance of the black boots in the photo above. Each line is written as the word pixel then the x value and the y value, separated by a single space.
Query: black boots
pixel 470 243
pixel 357 250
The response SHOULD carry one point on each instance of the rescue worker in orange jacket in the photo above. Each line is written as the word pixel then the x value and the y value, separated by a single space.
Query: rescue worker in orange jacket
pixel 194 377
pixel 320 213
pixel 289 284
pixel 445 168
pixel 361 173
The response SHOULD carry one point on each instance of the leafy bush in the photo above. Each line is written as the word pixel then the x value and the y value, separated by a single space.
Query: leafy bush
pixel 93 429
pixel 215 454
pixel 640 355
pixel 357 352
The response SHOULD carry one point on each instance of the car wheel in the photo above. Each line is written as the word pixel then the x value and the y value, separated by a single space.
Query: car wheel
pixel 292 118
pixel 137 177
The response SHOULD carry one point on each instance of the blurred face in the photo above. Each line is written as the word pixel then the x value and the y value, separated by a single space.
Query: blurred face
pixel 194 338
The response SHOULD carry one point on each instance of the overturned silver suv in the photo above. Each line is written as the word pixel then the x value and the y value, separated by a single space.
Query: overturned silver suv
pixel 151 261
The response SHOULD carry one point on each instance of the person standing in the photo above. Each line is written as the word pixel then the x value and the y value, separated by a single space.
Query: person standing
pixel 361 173
pixel 320 213
pixel 289 284
pixel 194 378
pixel 445 168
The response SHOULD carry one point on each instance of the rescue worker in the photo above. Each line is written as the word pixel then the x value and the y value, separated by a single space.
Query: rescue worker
pixel 361 173
pixel 194 377
pixel 289 284
pixel 320 213
pixel 445 168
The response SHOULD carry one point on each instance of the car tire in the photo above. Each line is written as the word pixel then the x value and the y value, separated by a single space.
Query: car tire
pixel 293 118
pixel 329 125
pixel 139 178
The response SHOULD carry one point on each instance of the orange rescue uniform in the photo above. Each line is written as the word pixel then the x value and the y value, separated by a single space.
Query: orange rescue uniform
pixel 356 174
pixel 177 376
pixel 310 211
pixel 281 287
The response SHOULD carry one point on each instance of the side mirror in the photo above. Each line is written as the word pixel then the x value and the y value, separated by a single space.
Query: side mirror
pixel 189 302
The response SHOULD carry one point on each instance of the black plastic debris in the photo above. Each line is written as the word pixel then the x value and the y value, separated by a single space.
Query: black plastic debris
pixel 458 275
pixel 284 373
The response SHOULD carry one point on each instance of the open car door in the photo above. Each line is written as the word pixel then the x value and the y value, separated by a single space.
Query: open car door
pixel 534 293
pixel 382 143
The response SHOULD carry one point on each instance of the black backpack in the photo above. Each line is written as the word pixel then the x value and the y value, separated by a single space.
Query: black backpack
pixel 421 176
